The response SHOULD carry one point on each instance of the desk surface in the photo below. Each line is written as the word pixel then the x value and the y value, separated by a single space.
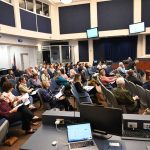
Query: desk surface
pixel 42 139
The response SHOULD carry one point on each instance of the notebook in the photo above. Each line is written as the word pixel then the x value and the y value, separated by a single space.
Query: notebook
pixel 88 88
pixel 80 137
pixel 60 93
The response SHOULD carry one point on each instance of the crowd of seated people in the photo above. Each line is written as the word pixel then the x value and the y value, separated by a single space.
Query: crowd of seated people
pixel 79 74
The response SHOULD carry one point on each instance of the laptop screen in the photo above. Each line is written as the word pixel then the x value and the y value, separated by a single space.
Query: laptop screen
pixel 79 132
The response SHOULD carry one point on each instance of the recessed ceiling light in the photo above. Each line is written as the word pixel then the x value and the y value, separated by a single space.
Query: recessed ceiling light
pixel 66 1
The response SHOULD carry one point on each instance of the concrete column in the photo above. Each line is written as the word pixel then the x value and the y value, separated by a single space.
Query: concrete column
pixel 93 13
pixel 75 50
pixel 54 21
pixel 137 8
pixel 17 14
pixel 141 47
pixel 91 52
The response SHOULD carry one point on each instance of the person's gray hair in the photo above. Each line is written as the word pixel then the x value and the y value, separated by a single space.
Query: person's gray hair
pixel 120 81
pixel 120 63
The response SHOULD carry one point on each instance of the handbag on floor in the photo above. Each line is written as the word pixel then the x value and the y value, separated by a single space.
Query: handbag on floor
pixel 10 141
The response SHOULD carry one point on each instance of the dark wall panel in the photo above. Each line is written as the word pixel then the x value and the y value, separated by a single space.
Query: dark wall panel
pixel 98 49
pixel 115 14
pixel 116 49
pixel 83 51
pixel 148 44
pixel 44 24
pixel 146 12
pixel 28 20
pixel 74 19
pixel 7 14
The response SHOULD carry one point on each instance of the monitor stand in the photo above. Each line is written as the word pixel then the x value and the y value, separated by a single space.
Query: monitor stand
pixel 101 134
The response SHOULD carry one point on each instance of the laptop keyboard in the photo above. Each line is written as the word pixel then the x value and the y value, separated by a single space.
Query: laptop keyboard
pixel 81 144
pixel 137 134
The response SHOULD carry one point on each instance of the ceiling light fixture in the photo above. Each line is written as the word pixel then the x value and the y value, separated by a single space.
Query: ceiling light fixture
pixel 66 1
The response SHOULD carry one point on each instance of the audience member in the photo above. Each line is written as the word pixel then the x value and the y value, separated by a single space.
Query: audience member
pixel 23 89
pixel 121 69
pixel 35 82
pixel 22 86
pixel 18 114
pixel 72 72
pixel 50 98
pixel 45 76
pixel 107 81
pixel 11 75
pixel 131 77
pixel 3 80
pixel 124 97
pixel 146 83
pixel 95 92
pixel 61 81
pixel 63 74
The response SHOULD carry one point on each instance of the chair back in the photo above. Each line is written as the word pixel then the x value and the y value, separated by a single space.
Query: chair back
pixel 132 88
pixel 141 92
pixel 17 78
pixel 104 89
pixel 148 97
pixel 87 75
pixel 53 85
pixel 81 97
pixel 13 82
pixel 127 84
pixel 75 93
pixel 29 83
pixel 111 100
pixel 16 92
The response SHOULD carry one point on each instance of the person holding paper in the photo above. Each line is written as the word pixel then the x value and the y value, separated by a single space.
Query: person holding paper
pixel 50 98
pixel 17 114
pixel 14 100
pixel 22 86
pixel 95 91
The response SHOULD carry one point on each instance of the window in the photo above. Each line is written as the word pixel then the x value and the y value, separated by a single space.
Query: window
pixel 29 4
pixel 26 4
pixel 22 4
pixel 39 7
pixel 45 9
pixel 42 8
pixel 8 1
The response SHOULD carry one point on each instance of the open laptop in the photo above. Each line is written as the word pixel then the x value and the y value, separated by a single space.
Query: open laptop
pixel 80 137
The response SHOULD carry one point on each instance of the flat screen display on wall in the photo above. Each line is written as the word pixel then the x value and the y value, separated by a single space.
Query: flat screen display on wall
pixel 92 33
pixel 137 28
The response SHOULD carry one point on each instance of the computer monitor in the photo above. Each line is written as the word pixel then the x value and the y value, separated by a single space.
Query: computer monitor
pixel 137 28
pixel 107 120
pixel 92 33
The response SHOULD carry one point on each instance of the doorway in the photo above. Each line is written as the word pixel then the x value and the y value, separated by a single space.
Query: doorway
pixel 57 53
pixel 24 61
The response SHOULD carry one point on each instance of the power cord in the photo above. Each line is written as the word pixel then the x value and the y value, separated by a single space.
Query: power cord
pixel 55 143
